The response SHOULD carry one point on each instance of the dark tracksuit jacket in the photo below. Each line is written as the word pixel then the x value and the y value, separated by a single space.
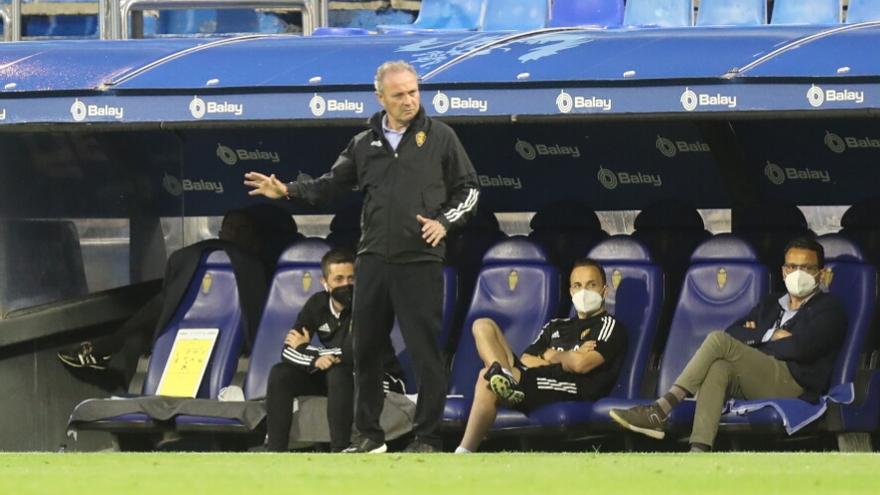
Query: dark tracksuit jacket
pixel 817 332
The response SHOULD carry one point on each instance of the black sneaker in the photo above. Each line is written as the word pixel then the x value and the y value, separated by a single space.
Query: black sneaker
pixel 503 384
pixel 366 446
pixel 82 356
pixel 648 420
pixel 419 446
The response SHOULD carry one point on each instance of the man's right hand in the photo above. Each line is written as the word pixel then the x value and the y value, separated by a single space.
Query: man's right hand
pixel 295 338
pixel 325 362
pixel 264 185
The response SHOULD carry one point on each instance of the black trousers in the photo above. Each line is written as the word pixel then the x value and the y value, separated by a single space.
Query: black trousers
pixel 414 293
pixel 287 381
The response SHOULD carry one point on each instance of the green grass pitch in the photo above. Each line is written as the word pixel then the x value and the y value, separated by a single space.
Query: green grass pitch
pixel 502 473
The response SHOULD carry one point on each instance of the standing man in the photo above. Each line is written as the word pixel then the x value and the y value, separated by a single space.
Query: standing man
pixel 418 183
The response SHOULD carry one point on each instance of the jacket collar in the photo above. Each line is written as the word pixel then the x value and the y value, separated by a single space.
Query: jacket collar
pixel 420 123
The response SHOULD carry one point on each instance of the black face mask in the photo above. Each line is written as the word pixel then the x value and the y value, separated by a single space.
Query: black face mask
pixel 343 295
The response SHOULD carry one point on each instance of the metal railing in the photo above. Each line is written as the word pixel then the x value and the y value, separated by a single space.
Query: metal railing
pixel 114 15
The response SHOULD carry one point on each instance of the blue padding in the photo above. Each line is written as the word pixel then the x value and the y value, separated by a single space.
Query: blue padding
pixel 297 278
pixel 660 13
pixel 732 13
pixel 450 301
pixel 724 247
pixel 806 12
pixel 862 11
pixel 839 248
pixel 517 249
pixel 605 13
pixel 340 31
pixel 519 291
pixel 211 301
pixel 515 15
pixel 621 248
pixel 443 15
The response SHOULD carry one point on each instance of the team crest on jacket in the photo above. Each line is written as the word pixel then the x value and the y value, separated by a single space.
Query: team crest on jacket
pixel 420 138
pixel 585 333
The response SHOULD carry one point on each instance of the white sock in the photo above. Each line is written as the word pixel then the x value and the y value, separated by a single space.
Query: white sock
pixel 462 450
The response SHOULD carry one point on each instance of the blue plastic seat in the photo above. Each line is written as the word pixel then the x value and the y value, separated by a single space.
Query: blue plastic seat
pixel 817 12
pixel 604 13
pixel 732 13
pixel 854 282
pixel 516 15
pixel 443 15
pixel 211 301
pixel 519 289
pixel 340 31
pixel 862 11
pixel 659 13
pixel 724 282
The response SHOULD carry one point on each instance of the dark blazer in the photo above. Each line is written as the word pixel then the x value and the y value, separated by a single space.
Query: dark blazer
pixel 817 332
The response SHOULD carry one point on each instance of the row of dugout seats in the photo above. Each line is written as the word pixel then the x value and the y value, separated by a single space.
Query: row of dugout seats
pixel 519 287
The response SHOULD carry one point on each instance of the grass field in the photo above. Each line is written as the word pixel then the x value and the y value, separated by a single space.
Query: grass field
pixel 526 474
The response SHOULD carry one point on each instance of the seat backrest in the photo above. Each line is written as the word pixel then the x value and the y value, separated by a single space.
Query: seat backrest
pixel 210 301
pixel 732 13
pixel 660 13
pixel 450 301
pixel 449 14
pixel 854 282
pixel 862 11
pixel 724 282
pixel 515 15
pixel 519 289
pixel 297 277
pixel 806 12
pixel 634 296
pixel 606 13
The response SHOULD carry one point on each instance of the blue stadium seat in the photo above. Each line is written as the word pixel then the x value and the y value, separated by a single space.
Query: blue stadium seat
pixel 604 13
pixel 732 13
pixel 659 13
pixel 816 12
pixel 211 301
pixel 854 282
pixel 862 11
pixel 724 282
pixel 635 297
pixel 515 15
pixel 297 277
pixel 519 289
pixel 339 31
pixel 450 301
pixel 443 15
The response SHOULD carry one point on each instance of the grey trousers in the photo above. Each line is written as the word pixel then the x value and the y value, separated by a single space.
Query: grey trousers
pixel 724 368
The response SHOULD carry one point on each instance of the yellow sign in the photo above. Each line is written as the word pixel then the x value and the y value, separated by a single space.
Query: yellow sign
pixel 207 282
pixel 721 278
pixel 307 281
pixel 187 362
pixel 616 277
pixel 512 279
pixel 420 138
pixel 827 277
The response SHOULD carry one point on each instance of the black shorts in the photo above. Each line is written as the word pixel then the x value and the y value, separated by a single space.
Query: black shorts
pixel 547 384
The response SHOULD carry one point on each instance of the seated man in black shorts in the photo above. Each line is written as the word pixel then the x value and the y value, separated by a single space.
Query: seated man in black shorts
pixel 328 370
pixel 572 359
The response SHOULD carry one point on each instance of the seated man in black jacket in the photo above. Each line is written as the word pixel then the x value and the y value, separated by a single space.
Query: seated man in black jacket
pixel 784 348
pixel 327 370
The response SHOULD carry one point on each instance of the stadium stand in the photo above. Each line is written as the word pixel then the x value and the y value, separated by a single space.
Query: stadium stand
pixel 460 15
pixel 814 12
pixel 515 15
pixel 601 13
pixel 862 11
pixel 732 13
pixel 211 301
pixel 518 288
pixel 659 13
pixel 854 282
pixel 725 280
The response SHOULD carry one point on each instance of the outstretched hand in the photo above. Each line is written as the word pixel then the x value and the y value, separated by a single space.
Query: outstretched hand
pixel 432 231
pixel 265 185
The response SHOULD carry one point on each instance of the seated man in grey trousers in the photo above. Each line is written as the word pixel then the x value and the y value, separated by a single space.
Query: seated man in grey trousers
pixel 784 348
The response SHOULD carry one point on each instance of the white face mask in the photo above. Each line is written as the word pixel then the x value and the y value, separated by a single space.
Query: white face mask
pixel 586 301
pixel 800 284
